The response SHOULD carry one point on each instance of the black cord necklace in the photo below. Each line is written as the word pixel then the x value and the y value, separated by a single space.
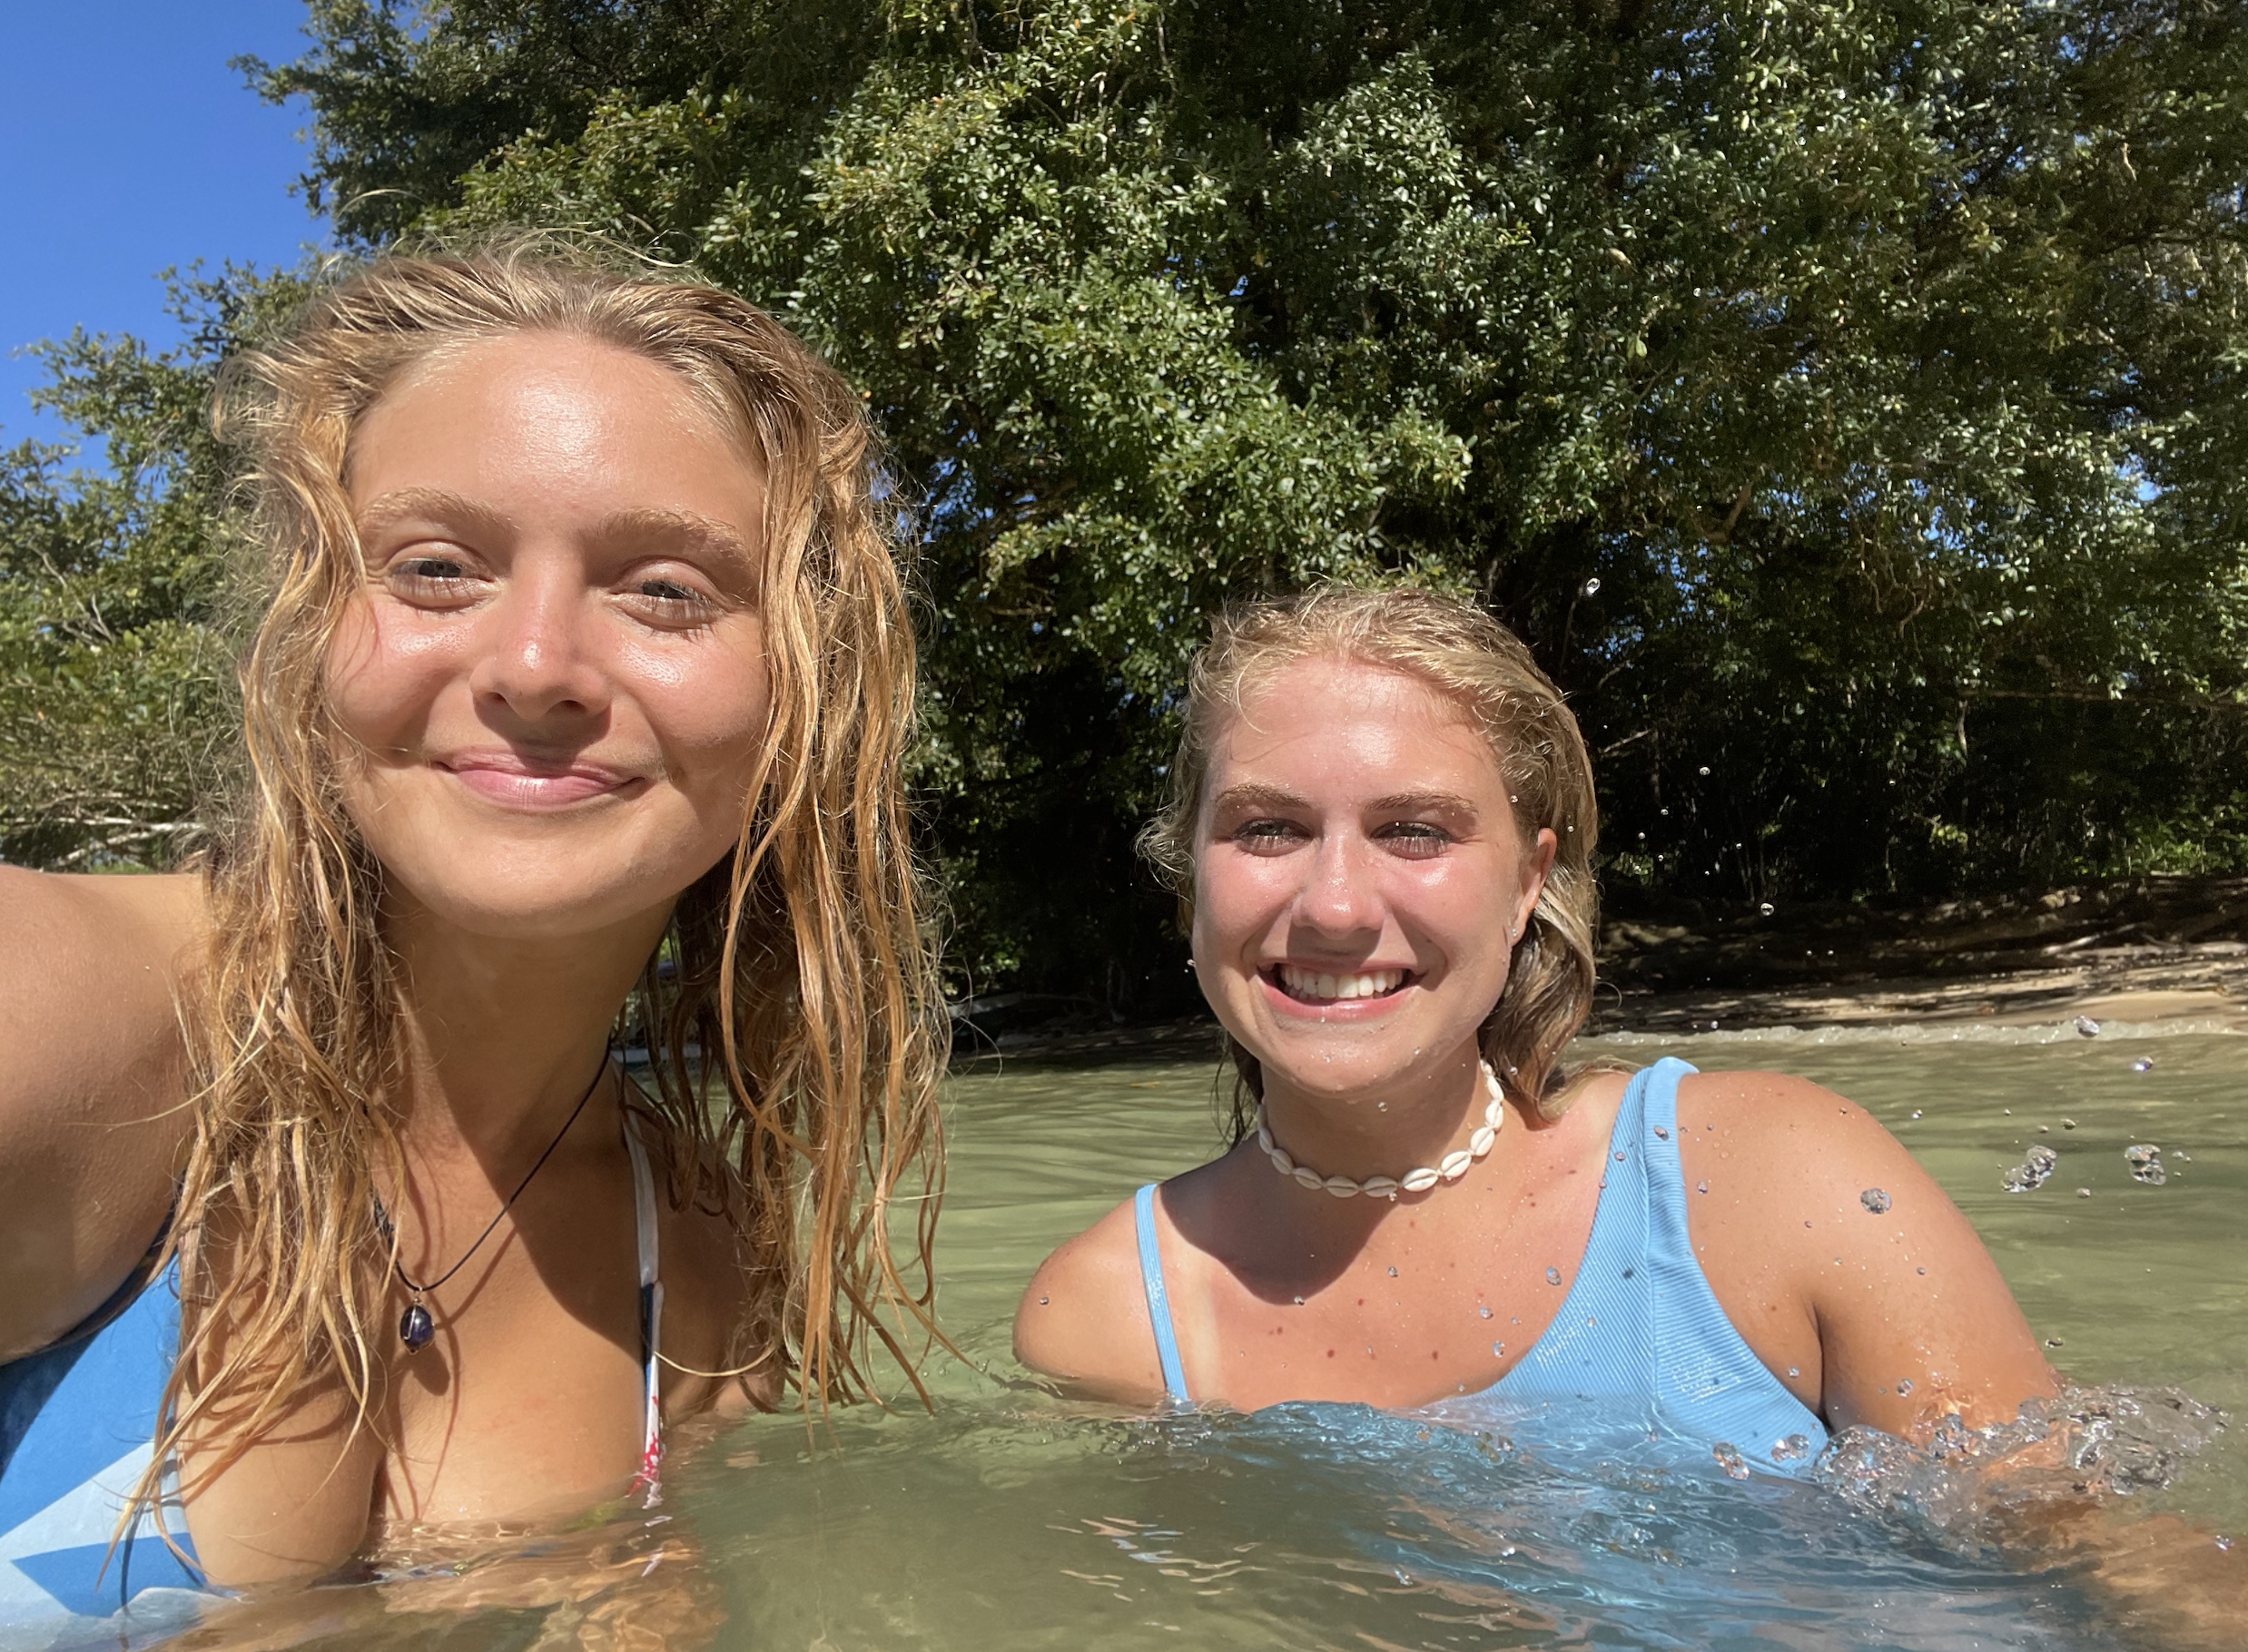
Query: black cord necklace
pixel 415 1327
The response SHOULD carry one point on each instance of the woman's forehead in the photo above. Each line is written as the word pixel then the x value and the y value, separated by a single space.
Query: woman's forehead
pixel 1340 714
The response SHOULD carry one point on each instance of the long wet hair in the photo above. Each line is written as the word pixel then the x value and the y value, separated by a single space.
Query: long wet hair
pixel 1472 660
pixel 798 966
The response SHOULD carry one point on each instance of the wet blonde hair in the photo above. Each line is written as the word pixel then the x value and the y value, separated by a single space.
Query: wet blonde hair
pixel 1472 660
pixel 798 964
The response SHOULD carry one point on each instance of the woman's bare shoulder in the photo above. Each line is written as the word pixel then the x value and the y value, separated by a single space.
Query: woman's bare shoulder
pixel 1084 1316
pixel 1806 1207
pixel 91 1123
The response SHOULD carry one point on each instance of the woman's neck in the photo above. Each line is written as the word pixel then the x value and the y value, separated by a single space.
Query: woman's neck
pixel 503 1034
pixel 1386 1132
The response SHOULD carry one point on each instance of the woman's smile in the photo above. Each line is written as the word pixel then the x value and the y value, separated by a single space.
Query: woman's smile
pixel 1328 986
pixel 515 780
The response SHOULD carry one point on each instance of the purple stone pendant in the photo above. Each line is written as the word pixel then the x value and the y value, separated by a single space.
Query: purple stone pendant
pixel 415 1328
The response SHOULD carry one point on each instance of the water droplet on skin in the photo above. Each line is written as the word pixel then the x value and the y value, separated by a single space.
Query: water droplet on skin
pixel 1041 1301
pixel 1764 909
pixel 1299 1301
pixel 1392 1273
pixel 2224 1542
pixel 1497 1349
pixel 1875 1200
pixel 2087 1028
pixel 1590 588
pixel 1905 1387
pixel 1552 1276
pixel 1793 1371
pixel 1482 1312
pixel 1919 1270
pixel 1702 1187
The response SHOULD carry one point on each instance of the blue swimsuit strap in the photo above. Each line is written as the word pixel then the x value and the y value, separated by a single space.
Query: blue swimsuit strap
pixel 1159 1299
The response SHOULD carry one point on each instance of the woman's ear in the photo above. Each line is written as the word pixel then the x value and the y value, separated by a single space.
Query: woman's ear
pixel 1537 865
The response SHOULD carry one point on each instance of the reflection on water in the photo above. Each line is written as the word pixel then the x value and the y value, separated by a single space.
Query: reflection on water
pixel 1014 1519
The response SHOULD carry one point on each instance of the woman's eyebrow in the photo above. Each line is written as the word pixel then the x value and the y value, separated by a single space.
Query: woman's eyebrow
pixel 1423 803
pixel 430 505
pixel 1253 796
pixel 684 529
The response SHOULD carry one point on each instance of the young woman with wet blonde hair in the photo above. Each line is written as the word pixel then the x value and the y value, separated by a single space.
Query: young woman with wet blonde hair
pixel 579 692
pixel 1381 826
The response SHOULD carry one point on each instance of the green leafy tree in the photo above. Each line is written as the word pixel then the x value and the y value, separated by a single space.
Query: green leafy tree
pixel 1844 399
pixel 115 670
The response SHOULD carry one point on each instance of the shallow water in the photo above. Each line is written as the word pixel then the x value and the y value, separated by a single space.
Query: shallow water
pixel 1013 1519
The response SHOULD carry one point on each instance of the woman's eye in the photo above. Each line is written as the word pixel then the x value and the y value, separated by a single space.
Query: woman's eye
pixel 671 602
pixel 420 575
pixel 1267 837
pixel 1414 840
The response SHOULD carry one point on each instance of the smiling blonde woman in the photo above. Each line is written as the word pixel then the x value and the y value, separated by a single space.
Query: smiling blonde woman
pixel 1382 824
pixel 582 677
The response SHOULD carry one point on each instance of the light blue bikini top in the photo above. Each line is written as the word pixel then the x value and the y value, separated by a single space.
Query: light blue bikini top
pixel 78 1426
pixel 1639 1334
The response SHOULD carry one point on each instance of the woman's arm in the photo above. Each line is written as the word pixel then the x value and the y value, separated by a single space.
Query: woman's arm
pixel 91 1090
pixel 1841 1263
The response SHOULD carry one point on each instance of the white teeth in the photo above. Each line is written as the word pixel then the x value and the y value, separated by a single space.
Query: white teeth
pixel 1334 988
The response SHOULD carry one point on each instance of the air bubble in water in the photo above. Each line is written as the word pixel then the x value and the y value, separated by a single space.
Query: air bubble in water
pixel 2086 1025
pixel 2145 1161
pixel 1552 1276
pixel 1728 1457
pixel 1705 769
pixel 1875 1200
pixel 2033 1172
pixel 1592 588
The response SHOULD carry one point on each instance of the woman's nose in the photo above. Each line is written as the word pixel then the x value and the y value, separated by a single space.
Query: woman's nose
pixel 537 659
pixel 1339 898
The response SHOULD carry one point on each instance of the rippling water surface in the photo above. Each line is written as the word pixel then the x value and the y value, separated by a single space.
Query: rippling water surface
pixel 1014 1519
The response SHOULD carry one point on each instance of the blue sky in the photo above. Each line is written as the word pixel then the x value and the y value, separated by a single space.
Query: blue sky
pixel 127 144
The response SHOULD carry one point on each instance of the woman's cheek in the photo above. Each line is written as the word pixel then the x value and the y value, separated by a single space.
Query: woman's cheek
pixel 383 669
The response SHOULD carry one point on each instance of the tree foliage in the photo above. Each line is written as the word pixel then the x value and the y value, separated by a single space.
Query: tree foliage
pixel 114 672
pixel 1844 398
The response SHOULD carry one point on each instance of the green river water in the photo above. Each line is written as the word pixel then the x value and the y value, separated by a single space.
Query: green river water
pixel 1009 1518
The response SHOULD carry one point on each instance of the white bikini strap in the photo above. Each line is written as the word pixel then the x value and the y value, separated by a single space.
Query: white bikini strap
pixel 651 1311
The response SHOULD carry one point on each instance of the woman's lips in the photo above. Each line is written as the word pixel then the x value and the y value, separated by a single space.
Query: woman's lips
pixel 517 783
pixel 1325 988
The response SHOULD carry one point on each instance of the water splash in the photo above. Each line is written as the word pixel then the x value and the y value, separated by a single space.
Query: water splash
pixel 2145 1161
pixel 2087 1028
pixel 2084 1442
pixel 2033 1172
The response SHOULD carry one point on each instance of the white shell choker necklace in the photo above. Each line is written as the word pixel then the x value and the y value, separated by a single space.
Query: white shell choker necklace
pixel 1450 1168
